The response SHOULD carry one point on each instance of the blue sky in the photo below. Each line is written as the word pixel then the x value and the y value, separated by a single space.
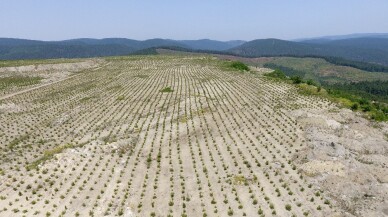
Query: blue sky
pixel 197 19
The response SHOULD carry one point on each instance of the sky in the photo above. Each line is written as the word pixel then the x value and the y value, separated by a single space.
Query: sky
pixel 184 19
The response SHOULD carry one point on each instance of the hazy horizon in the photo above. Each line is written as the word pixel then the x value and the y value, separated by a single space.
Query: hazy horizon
pixel 293 39
pixel 217 20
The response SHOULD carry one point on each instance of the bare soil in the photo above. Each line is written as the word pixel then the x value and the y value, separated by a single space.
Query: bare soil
pixel 109 142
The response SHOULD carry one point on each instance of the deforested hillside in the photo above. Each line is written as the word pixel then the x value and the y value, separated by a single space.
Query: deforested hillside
pixel 362 49
pixel 180 135
pixel 364 43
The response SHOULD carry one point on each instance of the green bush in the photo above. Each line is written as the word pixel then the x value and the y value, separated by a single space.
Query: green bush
pixel 296 79
pixel 356 96
pixel 310 82
pixel 379 116
pixel 363 101
pixel 277 74
pixel 354 107
pixel 288 207
pixel 239 66
pixel 366 108
pixel 167 90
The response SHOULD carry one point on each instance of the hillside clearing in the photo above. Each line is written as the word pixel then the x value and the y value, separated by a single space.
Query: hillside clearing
pixel 180 136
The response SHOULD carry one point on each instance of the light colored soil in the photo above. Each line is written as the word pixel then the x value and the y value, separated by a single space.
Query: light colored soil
pixel 51 68
pixel 221 143
pixel 347 157
pixel 50 74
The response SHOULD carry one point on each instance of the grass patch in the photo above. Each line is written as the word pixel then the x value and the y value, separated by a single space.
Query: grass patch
pixel 375 110
pixel 141 76
pixel 357 102
pixel 310 89
pixel 14 63
pixel 109 139
pixel 85 99
pixel 239 180
pixel 120 98
pixel 183 119
pixel 317 69
pixel 239 66
pixel 18 81
pixel 166 90
pixel 48 154
pixel 16 141
pixel 278 74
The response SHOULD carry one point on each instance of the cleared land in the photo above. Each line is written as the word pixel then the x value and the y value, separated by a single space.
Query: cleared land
pixel 183 136
pixel 316 69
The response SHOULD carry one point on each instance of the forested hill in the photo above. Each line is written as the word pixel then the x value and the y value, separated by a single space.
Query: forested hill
pixel 87 47
pixel 352 51
pixel 348 49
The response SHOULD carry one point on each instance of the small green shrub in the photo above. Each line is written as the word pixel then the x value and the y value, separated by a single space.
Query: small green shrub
pixel 366 108
pixel 310 82
pixel 296 79
pixel 379 116
pixel 239 66
pixel 354 107
pixel 166 90
pixel 277 74
pixel 288 207
pixel 230 212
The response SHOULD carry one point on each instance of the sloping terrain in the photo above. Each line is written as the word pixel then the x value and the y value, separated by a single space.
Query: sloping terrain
pixel 317 69
pixel 321 70
pixel 206 44
pixel 364 53
pixel 11 49
pixel 348 36
pixel 275 47
pixel 26 75
pixel 364 43
pixel 181 136
pixel 347 157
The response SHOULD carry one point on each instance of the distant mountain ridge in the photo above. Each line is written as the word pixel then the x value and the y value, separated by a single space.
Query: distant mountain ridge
pixel 371 49
pixel 207 44
pixel 11 48
pixel 349 36
pixel 364 43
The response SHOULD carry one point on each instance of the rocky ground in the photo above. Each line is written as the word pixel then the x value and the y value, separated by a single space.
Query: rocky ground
pixel 347 156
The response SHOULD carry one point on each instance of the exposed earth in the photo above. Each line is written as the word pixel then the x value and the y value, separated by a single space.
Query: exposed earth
pixel 177 135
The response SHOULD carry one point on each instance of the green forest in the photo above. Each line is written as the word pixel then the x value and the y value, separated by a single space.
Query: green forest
pixel 365 96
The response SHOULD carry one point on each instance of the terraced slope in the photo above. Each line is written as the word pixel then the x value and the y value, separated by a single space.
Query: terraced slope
pixel 158 136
